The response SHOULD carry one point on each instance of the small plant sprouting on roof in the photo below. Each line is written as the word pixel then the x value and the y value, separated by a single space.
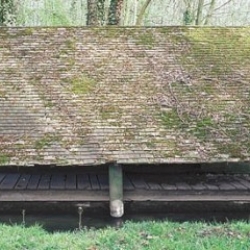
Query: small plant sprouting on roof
pixel 82 85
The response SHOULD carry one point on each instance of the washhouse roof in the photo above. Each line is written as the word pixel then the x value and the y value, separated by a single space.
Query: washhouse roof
pixel 89 95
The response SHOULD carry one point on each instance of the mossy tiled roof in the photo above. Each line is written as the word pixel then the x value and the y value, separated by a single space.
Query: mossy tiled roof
pixel 88 96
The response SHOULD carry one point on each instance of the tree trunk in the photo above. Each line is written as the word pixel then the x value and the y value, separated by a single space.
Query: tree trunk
pixel 92 14
pixel 115 12
pixel 101 12
pixel 95 12
pixel 199 12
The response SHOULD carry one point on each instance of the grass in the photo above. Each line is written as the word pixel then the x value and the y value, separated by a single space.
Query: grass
pixel 144 235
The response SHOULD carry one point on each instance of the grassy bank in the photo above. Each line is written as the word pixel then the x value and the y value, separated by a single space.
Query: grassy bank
pixel 146 235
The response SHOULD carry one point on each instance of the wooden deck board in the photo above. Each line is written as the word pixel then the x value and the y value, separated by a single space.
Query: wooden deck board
pixel 70 182
pixel 244 181
pixel 138 182
pixel 2 176
pixel 103 181
pixel 86 195
pixel 9 181
pixel 44 182
pixel 154 185
pixel 33 182
pixel 83 182
pixel 57 181
pixel 199 187
pixel 212 187
pixel 94 182
pixel 23 181
pixel 226 186
pixel 127 184
pixel 169 187
pixel 54 195
pixel 183 186
pixel 138 187
pixel 238 185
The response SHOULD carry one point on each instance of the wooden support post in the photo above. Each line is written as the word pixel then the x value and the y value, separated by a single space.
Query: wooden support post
pixel 116 190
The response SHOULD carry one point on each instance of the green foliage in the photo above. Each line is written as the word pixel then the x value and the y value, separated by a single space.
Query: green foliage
pixel 45 13
pixel 7 12
pixel 74 12
pixel 187 18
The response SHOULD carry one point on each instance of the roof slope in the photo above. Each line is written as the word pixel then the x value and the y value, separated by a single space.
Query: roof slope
pixel 133 95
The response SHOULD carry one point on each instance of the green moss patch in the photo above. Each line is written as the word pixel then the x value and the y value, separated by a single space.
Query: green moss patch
pixel 4 159
pixel 110 112
pixel 108 32
pixel 21 32
pixel 47 140
pixel 2 93
pixel 216 50
pixel 147 39
pixel 202 128
pixel 171 119
pixel 27 32
pixel 232 149
pixel 70 44
pixel 82 85
pixel 198 127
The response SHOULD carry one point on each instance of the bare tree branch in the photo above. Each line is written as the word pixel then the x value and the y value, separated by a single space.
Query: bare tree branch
pixel 224 4
pixel 142 12
pixel 210 12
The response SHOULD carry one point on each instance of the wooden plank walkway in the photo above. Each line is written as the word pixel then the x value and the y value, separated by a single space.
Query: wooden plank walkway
pixel 137 187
